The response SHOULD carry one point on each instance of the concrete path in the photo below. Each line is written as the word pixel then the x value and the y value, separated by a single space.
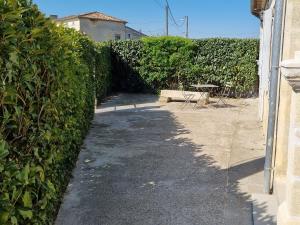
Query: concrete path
pixel 147 164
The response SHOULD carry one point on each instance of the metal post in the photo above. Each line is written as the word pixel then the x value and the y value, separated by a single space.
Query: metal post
pixel 167 20
pixel 187 27
pixel 273 94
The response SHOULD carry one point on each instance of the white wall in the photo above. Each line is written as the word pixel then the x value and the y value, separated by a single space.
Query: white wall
pixel 132 34
pixel 72 23
pixel 265 60
pixel 102 30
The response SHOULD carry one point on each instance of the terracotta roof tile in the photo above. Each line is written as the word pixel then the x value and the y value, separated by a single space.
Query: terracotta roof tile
pixel 94 16
pixel 67 18
pixel 101 16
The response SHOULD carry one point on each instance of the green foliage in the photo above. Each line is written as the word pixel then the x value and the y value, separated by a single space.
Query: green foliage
pixel 125 57
pixel 165 61
pixel 222 61
pixel 49 79
pixel 103 78
pixel 153 64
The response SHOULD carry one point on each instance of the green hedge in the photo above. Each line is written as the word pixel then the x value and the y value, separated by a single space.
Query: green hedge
pixel 125 57
pixel 103 75
pixel 152 64
pixel 49 80
pixel 228 61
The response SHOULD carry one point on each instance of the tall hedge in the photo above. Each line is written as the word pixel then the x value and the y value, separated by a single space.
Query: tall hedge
pixel 125 56
pixel 49 79
pixel 103 68
pixel 222 61
pixel 152 64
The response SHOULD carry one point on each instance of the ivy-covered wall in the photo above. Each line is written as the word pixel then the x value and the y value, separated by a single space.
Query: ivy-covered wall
pixel 152 64
pixel 49 80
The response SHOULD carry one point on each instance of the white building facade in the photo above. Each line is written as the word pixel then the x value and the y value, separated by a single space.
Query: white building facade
pixel 100 27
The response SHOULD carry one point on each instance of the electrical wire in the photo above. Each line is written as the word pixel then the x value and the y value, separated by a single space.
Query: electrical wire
pixel 174 22
pixel 172 17
pixel 159 3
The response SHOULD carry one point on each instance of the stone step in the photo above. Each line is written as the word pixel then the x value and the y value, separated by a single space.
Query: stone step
pixel 264 209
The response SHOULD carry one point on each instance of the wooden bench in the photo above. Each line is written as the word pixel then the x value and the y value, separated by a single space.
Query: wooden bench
pixel 173 95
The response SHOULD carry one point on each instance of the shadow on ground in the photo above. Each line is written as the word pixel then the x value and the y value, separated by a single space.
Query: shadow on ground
pixel 138 168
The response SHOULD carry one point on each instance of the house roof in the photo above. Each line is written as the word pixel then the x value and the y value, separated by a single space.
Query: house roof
pixel 257 6
pixel 136 31
pixel 94 16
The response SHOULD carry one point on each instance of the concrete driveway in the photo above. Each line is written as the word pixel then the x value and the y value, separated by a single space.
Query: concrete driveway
pixel 149 164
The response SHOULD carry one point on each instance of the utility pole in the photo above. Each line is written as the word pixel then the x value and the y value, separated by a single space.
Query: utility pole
pixel 187 27
pixel 167 20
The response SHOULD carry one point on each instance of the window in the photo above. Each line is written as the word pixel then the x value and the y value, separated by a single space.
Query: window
pixel 129 36
pixel 117 37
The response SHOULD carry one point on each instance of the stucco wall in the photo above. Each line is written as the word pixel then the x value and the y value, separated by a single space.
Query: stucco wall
pixel 283 128
pixel 264 66
pixel 71 23
pixel 132 34
pixel 292 29
pixel 102 30
pixel 291 43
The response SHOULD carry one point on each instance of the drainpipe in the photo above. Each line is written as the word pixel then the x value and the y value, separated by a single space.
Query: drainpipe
pixel 273 95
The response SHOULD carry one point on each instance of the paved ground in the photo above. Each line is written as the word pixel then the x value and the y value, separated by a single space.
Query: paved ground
pixel 147 164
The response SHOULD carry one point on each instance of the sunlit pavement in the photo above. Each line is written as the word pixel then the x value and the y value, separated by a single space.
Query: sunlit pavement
pixel 144 163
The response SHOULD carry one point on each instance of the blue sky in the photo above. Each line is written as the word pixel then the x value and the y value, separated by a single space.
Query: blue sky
pixel 217 18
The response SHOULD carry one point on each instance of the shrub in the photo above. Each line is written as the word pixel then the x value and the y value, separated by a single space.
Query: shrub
pixel 103 78
pixel 125 65
pixel 222 61
pixel 166 61
pixel 152 64
pixel 49 80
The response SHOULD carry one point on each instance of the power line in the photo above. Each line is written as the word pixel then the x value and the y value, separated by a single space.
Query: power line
pixel 185 20
pixel 172 17
pixel 146 22
pixel 159 3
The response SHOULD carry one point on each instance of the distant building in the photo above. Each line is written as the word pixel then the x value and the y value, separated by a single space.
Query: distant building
pixel 133 34
pixel 99 27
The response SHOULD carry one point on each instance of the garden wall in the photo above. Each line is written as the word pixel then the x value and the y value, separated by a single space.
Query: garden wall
pixel 49 80
pixel 152 64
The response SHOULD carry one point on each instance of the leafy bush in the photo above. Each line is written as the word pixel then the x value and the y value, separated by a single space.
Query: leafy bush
pixel 49 79
pixel 166 61
pixel 222 61
pixel 125 65
pixel 103 78
pixel 152 64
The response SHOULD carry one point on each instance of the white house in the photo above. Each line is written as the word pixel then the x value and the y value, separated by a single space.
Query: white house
pixel 100 27
pixel 132 33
